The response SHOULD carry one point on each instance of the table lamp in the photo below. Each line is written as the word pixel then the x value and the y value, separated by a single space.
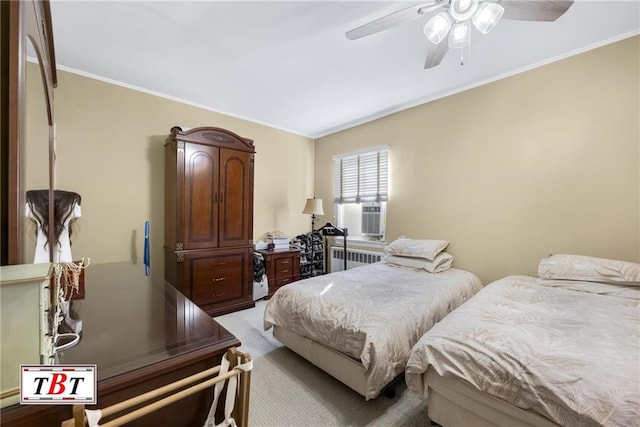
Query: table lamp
pixel 313 208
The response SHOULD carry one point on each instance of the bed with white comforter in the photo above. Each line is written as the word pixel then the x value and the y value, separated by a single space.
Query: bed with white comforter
pixel 565 350
pixel 372 314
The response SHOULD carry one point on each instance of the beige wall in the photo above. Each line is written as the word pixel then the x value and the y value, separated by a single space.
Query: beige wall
pixel 543 162
pixel 110 150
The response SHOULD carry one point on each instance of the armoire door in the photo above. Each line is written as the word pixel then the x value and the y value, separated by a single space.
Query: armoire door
pixel 236 198
pixel 201 194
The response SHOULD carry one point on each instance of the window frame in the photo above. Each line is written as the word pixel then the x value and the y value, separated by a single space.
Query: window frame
pixel 372 190
pixel 362 192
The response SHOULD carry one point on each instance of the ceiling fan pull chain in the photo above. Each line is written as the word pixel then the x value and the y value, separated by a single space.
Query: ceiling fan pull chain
pixel 469 48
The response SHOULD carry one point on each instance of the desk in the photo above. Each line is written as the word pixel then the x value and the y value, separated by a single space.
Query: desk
pixel 141 335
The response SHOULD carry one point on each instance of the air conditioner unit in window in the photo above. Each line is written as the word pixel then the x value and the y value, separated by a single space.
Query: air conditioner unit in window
pixel 372 219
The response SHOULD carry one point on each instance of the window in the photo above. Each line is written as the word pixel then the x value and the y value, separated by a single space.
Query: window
pixel 361 192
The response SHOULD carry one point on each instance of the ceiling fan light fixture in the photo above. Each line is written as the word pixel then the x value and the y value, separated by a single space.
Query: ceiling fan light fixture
pixel 460 35
pixel 461 10
pixel 487 16
pixel 437 27
pixel 456 18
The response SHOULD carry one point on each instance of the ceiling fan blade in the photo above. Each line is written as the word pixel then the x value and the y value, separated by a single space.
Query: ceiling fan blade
pixel 435 54
pixel 535 10
pixel 393 19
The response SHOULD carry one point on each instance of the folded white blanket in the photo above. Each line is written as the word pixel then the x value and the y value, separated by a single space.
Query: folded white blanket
pixel 441 262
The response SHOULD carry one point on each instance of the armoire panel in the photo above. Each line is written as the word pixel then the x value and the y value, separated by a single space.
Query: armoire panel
pixel 236 198
pixel 209 217
pixel 201 191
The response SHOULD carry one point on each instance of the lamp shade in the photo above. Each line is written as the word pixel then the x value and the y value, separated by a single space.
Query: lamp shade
pixel 438 27
pixel 460 35
pixel 313 207
pixel 487 16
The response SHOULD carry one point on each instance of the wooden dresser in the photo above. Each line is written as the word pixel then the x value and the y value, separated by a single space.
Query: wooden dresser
pixel 141 335
pixel 209 217
pixel 282 267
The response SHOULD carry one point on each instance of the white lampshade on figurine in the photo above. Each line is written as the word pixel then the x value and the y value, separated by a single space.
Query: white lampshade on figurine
pixel 313 207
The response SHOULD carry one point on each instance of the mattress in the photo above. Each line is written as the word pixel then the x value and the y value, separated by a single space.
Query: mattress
pixel 565 350
pixel 373 314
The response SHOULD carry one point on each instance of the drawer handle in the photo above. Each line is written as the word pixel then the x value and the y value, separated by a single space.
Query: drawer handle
pixel 219 294
pixel 285 262
pixel 219 263
pixel 219 279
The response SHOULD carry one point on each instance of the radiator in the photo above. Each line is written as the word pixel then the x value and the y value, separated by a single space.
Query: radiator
pixel 355 258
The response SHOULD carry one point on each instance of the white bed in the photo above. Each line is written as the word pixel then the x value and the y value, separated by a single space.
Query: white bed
pixel 359 325
pixel 529 351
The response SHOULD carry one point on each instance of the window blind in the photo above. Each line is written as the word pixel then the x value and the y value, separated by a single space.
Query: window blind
pixel 361 177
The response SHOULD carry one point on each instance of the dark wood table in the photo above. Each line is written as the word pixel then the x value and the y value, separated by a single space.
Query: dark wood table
pixel 141 335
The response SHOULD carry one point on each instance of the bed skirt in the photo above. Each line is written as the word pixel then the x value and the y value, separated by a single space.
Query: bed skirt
pixel 452 402
pixel 344 368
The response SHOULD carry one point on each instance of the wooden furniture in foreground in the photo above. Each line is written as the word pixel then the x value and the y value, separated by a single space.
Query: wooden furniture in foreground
pixel 209 217
pixel 142 334
pixel 282 267
pixel 241 400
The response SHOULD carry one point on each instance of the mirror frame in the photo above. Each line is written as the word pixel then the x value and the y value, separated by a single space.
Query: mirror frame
pixel 22 21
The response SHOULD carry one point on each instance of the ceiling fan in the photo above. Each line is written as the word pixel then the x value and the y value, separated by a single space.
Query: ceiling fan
pixel 455 18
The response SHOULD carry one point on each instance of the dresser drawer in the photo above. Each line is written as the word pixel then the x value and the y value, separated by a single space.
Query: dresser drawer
pixel 214 278
pixel 284 267
pixel 283 281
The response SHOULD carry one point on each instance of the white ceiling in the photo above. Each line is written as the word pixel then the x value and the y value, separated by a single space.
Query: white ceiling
pixel 287 64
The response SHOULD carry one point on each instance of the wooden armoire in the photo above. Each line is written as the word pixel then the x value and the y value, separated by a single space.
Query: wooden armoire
pixel 209 217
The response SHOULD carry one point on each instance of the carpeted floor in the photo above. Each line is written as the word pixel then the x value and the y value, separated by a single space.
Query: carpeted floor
pixel 286 390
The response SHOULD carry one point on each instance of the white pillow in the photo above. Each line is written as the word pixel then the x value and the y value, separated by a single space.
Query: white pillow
pixel 589 269
pixel 442 262
pixel 427 249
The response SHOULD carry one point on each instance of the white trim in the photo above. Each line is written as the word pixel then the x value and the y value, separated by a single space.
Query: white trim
pixel 361 151
pixel 425 100
pixel 173 98
pixel 315 135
